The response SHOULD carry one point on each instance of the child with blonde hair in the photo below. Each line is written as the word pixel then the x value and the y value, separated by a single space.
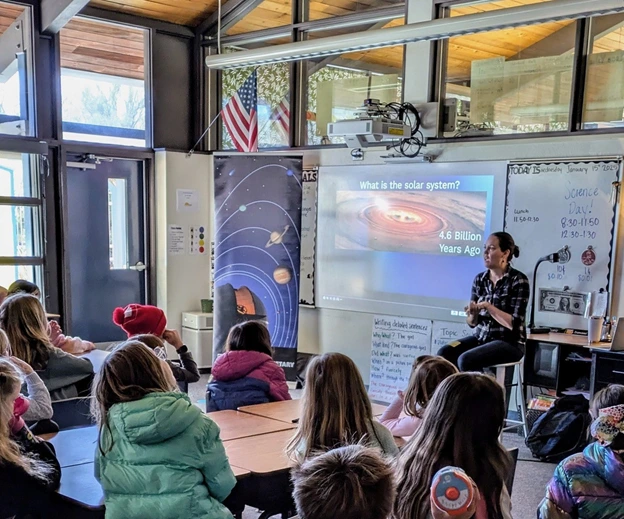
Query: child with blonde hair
pixel 336 411
pixel 28 483
pixel 158 455
pixel 404 415
pixel 37 394
pixel 58 339
pixel 23 319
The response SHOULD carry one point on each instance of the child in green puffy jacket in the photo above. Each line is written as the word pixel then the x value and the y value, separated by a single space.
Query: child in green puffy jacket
pixel 158 455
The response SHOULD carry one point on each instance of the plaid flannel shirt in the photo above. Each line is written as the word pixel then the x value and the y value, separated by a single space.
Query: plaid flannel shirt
pixel 511 295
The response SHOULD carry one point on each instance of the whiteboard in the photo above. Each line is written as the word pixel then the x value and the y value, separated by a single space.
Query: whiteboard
pixel 308 237
pixel 554 204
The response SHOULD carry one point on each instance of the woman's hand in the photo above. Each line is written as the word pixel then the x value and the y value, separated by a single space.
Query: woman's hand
pixel 472 308
pixel 484 305
pixel 436 513
pixel 173 338
pixel 24 367
pixel 401 395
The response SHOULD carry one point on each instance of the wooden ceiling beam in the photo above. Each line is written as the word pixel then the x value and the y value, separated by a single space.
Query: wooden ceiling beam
pixel 55 14
pixel 231 12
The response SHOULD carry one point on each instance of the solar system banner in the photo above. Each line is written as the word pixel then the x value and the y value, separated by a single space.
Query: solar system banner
pixel 257 248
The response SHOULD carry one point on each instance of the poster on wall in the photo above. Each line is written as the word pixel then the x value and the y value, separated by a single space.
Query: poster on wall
pixel 257 248
pixel 395 343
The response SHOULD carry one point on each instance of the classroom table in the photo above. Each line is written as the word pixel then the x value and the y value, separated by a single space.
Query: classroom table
pixel 74 446
pixel 260 455
pixel 289 410
pixel 96 357
pixel 78 483
pixel 234 424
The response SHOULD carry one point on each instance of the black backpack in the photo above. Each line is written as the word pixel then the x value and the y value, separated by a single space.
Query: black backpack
pixel 562 430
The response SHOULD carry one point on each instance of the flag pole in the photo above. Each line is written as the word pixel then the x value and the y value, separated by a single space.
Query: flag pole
pixel 192 150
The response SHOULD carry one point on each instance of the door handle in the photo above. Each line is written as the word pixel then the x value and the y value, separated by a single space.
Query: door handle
pixel 140 266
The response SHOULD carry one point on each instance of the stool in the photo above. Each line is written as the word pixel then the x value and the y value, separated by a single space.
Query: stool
pixel 500 370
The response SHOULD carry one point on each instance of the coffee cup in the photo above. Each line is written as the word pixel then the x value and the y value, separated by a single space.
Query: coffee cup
pixel 594 329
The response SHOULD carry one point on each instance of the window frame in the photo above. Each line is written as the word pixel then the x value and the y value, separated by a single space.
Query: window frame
pixel 298 30
pixel 66 126
pixel 36 200
pixel 582 51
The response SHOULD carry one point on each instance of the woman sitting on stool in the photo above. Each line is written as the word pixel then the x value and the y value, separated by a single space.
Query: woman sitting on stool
pixel 497 311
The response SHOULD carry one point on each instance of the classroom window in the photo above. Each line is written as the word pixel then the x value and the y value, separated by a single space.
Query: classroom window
pixel 268 15
pixel 118 223
pixel 103 83
pixel 21 233
pixel 465 8
pixel 319 9
pixel 16 78
pixel 510 81
pixel 338 85
pixel 604 88
pixel 273 107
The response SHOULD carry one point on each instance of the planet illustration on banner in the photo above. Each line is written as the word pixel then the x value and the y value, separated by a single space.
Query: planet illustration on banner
pixel 282 275
pixel 277 237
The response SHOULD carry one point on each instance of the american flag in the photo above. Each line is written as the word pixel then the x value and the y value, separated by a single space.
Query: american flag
pixel 281 114
pixel 240 115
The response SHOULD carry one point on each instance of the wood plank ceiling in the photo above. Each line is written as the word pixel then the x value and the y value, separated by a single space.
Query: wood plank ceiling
pixel 103 48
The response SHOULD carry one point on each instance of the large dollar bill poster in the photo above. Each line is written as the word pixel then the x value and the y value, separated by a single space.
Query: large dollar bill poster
pixel 564 302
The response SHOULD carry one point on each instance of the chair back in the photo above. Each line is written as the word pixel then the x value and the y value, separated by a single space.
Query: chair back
pixel 512 471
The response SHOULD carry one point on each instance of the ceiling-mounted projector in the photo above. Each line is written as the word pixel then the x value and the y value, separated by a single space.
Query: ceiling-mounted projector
pixel 360 133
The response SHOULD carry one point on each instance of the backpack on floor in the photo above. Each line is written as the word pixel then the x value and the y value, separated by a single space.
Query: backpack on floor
pixel 562 430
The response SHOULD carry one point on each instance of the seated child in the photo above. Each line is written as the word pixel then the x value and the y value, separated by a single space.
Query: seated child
pixel 246 373
pixel 39 404
pixel 460 428
pixel 23 319
pixel 352 482
pixel 590 484
pixel 73 345
pixel 336 411
pixel 30 473
pixel 404 415
pixel 158 455
pixel 147 324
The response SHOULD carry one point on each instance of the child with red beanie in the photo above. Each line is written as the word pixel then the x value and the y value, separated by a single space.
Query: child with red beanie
pixel 148 324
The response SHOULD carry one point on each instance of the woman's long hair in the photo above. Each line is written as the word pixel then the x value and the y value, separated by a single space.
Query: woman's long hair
pixel 129 373
pixel 10 381
pixel 335 409
pixel 460 428
pixel 427 374
pixel 24 320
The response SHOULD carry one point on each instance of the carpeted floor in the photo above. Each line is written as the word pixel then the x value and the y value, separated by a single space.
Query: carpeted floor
pixel 529 482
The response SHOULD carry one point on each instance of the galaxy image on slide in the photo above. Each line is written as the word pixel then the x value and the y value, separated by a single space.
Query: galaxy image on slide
pixel 409 221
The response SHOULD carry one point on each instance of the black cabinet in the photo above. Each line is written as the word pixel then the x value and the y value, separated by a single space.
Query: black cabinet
pixel 607 368
pixel 561 362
